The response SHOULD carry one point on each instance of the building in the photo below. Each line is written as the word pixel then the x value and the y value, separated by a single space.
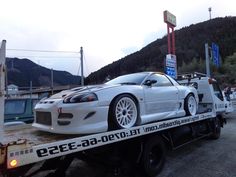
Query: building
pixel 12 90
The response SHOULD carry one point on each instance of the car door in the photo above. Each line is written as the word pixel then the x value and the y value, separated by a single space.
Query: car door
pixel 161 98
pixel 219 99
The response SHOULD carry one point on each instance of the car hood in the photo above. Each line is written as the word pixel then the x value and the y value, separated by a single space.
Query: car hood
pixel 81 90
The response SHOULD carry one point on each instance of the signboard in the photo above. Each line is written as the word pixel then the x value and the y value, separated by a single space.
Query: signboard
pixel 169 18
pixel 171 66
pixel 171 72
pixel 171 60
pixel 215 55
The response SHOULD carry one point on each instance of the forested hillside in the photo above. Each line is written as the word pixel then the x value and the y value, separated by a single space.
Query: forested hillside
pixel 21 71
pixel 189 47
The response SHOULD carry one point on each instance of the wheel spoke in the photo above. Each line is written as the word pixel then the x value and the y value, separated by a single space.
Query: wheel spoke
pixel 192 105
pixel 123 121
pixel 126 112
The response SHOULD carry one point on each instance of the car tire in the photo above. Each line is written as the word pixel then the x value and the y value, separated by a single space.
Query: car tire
pixel 153 157
pixel 124 112
pixel 216 130
pixel 190 105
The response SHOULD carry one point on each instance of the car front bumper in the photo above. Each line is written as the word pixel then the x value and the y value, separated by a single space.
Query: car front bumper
pixel 74 118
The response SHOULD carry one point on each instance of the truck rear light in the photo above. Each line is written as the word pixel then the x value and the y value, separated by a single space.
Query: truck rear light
pixel 210 81
pixel 13 163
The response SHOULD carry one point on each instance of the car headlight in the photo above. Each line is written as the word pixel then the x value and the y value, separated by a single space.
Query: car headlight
pixel 79 98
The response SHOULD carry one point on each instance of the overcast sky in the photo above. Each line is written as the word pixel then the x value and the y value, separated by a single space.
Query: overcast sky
pixel 107 29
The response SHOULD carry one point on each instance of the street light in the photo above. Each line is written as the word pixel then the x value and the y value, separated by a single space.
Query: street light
pixel 209 9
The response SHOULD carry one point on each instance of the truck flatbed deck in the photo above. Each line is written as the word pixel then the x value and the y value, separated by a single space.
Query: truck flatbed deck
pixel 32 135
pixel 27 145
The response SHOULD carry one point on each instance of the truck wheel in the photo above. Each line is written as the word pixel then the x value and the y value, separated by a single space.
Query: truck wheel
pixel 124 111
pixel 190 105
pixel 153 158
pixel 216 129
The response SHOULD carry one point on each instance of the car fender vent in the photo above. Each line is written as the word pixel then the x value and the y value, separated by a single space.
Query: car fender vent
pixel 65 116
pixel 46 102
pixel 89 115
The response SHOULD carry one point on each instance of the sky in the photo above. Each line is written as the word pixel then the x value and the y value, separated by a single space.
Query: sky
pixel 106 29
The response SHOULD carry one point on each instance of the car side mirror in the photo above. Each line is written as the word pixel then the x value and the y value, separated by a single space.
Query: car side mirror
pixel 150 82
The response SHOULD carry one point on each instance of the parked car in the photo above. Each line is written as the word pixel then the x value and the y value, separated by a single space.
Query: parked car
pixel 19 110
pixel 123 102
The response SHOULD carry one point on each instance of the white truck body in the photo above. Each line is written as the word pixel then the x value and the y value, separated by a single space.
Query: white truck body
pixel 22 146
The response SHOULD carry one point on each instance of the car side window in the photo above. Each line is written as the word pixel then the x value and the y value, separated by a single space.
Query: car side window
pixel 217 91
pixel 162 80
pixel 15 106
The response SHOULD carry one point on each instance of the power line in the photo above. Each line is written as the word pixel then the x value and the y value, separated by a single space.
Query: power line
pixel 45 51
pixel 79 73
pixel 86 63
pixel 28 56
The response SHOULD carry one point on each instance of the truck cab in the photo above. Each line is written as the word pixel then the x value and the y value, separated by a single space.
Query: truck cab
pixel 211 97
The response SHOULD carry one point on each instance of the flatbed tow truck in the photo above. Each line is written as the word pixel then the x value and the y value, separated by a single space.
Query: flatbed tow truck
pixel 141 146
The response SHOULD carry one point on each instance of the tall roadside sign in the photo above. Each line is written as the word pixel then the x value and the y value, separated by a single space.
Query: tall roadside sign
pixel 171 61
pixel 215 55
pixel 171 69
pixel 214 49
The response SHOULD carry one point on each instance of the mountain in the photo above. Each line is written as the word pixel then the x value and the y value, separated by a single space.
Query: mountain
pixel 190 45
pixel 190 50
pixel 21 71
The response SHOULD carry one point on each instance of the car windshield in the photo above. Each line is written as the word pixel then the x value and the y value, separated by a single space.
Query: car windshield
pixel 133 79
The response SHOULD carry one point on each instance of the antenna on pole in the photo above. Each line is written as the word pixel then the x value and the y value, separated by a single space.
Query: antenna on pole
pixel 52 80
pixel 82 67
pixel 209 9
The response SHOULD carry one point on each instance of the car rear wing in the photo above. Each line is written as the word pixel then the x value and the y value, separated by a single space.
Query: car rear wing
pixel 190 76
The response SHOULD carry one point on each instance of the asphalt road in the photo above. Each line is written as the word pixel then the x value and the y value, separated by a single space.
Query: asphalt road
pixel 204 158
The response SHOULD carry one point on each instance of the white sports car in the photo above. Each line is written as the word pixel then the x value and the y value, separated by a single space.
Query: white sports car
pixel 123 102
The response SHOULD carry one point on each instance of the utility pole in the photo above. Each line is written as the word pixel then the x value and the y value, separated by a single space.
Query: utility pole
pixel 52 81
pixel 82 66
pixel 31 84
pixel 2 85
pixel 209 9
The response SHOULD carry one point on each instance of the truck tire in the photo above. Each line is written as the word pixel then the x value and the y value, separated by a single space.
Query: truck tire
pixel 216 129
pixel 153 157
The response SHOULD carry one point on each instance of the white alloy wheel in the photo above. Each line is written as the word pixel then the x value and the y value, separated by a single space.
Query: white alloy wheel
pixel 126 112
pixel 190 105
